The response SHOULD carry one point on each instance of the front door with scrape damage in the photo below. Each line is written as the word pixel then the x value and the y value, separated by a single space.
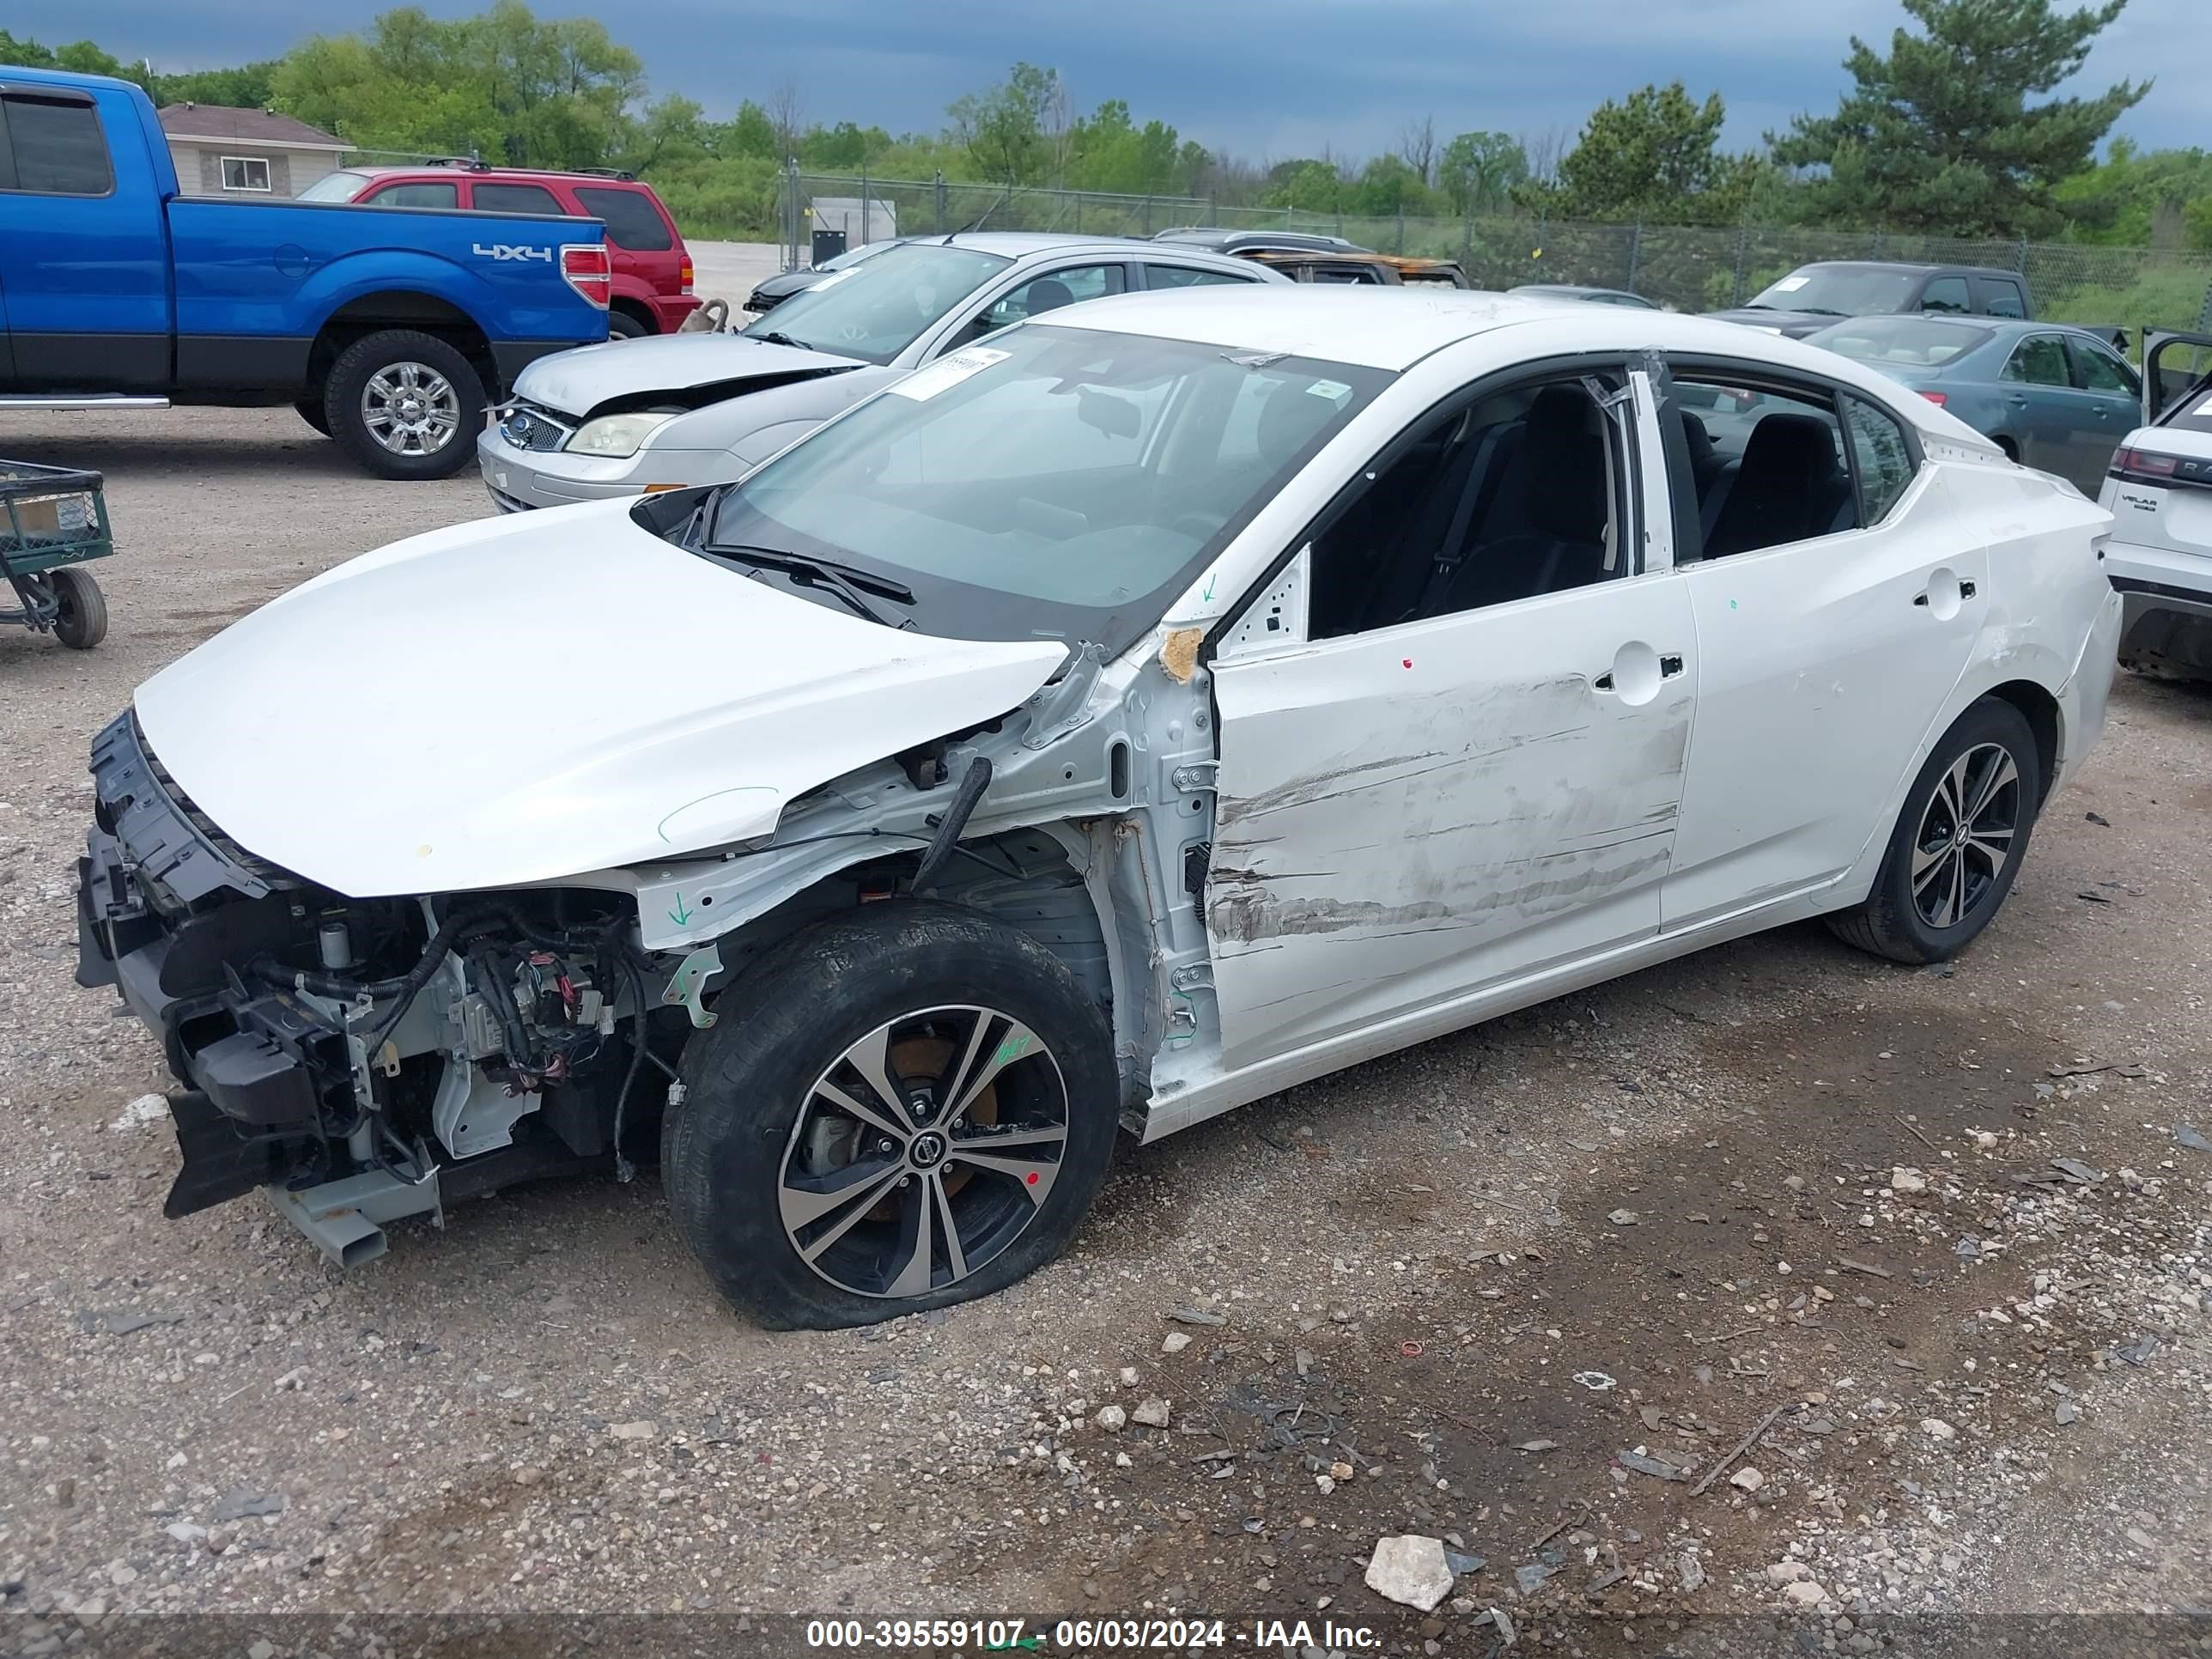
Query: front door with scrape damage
pixel 1408 816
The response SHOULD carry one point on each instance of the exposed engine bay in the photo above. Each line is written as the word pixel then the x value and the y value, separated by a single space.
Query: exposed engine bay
pixel 325 1039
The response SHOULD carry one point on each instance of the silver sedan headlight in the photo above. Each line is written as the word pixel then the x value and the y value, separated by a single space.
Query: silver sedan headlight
pixel 614 437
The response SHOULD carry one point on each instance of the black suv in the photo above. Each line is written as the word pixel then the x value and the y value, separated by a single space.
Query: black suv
pixel 1813 296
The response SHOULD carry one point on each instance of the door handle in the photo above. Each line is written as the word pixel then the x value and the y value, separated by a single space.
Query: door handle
pixel 1967 591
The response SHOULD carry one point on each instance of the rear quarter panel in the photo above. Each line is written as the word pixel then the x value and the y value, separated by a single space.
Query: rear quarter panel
pixel 279 269
pixel 2048 590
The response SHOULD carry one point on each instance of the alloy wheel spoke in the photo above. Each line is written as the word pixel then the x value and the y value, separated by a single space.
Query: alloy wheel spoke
pixel 986 1140
pixel 1016 1042
pixel 1954 889
pixel 846 1223
pixel 1925 862
pixel 956 1258
pixel 2000 772
pixel 872 1115
pixel 917 1241
pixel 1036 1177
pixel 804 1200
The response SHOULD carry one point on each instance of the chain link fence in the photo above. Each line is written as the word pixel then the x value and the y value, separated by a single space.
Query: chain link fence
pixel 1685 268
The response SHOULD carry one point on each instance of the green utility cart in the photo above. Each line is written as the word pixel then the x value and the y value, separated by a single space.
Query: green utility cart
pixel 54 519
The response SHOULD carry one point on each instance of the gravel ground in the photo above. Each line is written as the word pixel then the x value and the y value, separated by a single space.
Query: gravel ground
pixel 1521 1291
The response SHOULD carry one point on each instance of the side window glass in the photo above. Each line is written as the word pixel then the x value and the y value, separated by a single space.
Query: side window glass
pixel 517 198
pixel 1880 455
pixel 1049 292
pixel 57 147
pixel 1946 293
pixel 1185 277
pixel 1516 494
pixel 2040 360
pixel 1770 467
pixel 1362 274
pixel 2005 299
pixel 2101 370
pixel 418 196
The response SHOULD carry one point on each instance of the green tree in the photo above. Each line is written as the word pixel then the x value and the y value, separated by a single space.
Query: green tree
pixel 1939 136
pixel 503 84
pixel 1478 172
pixel 1007 128
pixel 1654 156
pixel 1305 187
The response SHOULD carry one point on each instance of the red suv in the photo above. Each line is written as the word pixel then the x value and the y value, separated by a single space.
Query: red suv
pixel 653 270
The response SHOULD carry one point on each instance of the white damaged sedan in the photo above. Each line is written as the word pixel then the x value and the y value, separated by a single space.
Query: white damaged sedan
pixel 1107 725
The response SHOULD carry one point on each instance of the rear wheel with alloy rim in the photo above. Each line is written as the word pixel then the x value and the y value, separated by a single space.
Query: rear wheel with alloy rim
pixel 1958 842
pixel 405 404
pixel 898 1110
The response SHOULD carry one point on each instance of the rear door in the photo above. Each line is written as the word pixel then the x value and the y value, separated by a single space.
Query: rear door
pixel 84 254
pixel 2042 409
pixel 2001 296
pixel 1838 601
pixel 2112 394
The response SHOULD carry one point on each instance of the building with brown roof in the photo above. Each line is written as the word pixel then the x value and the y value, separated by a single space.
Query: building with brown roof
pixel 221 151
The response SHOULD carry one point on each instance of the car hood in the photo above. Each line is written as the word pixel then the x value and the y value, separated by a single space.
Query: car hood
pixel 1793 324
pixel 578 381
pixel 523 699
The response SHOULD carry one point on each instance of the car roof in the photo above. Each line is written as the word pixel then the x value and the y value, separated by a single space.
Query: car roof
pixel 2004 328
pixel 1907 265
pixel 1394 328
pixel 469 170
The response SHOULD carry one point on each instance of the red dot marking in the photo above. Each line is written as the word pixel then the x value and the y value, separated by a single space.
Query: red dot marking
pixel 1407 661
pixel 1031 1177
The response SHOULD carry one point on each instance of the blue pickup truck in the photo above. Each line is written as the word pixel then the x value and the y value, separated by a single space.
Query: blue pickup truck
pixel 388 328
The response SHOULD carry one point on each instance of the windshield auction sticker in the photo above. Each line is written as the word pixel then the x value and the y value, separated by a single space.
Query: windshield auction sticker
pixel 946 372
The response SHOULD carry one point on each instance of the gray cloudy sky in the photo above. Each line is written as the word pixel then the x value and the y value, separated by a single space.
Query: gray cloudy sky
pixel 1258 78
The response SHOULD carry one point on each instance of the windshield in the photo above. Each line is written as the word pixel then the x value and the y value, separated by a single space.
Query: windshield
pixel 852 256
pixel 1056 483
pixel 340 187
pixel 1901 342
pixel 1847 290
pixel 876 308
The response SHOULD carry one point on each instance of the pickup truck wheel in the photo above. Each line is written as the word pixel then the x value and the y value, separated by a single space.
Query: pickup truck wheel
pixel 621 326
pixel 404 405
pixel 310 410
pixel 1958 843
pixel 80 608
pixel 901 1108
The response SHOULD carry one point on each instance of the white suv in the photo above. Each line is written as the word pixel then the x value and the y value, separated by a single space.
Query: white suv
pixel 2159 492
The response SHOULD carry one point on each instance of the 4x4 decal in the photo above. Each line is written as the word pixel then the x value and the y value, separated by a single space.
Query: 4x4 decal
pixel 510 251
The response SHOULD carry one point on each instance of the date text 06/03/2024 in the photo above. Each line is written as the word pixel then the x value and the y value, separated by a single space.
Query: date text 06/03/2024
pixel 1082 1635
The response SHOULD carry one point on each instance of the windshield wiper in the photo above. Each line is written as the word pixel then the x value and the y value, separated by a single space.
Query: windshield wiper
pixel 776 337
pixel 1821 310
pixel 842 580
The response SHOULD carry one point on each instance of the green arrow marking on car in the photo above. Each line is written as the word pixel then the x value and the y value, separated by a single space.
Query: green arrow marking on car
pixel 1210 577
pixel 680 915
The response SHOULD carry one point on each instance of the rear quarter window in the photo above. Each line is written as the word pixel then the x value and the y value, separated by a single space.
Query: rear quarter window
pixel 53 147
pixel 631 219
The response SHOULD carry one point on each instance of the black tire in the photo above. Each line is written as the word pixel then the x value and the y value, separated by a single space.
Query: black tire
pixel 310 410
pixel 393 351
pixel 889 972
pixel 1960 890
pixel 81 609
pixel 621 326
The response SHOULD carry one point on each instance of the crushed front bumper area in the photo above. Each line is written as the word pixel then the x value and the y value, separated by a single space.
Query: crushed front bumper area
pixel 257 1075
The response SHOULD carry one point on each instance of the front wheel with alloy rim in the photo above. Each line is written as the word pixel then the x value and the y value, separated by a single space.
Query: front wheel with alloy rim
pixel 1957 843
pixel 405 404
pixel 896 1110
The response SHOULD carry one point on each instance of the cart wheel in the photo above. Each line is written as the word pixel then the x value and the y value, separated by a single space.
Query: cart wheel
pixel 80 609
